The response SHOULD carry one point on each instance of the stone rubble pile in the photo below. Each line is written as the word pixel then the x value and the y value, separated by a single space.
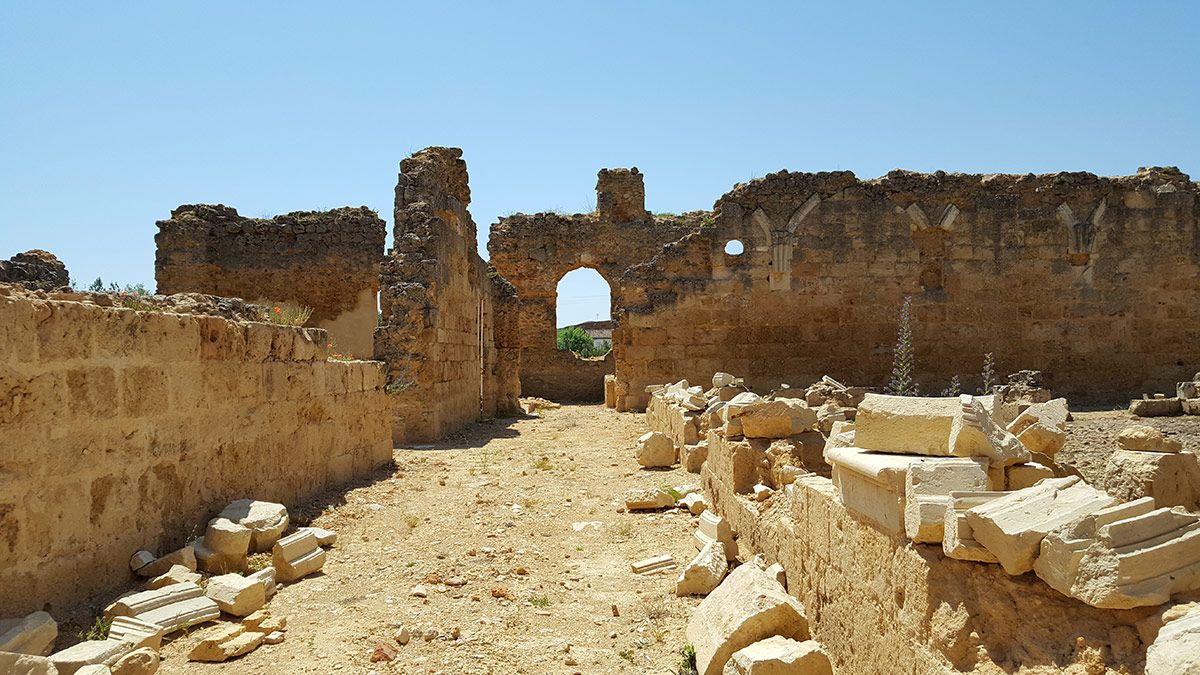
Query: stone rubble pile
pixel 1185 402
pixel 174 600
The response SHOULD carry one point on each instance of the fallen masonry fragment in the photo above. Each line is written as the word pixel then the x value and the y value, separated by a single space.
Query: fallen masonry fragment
pixel 778 655
pixel 297 555
pixel 266 521
pixel 33 634
pixel 704 572
pixel 747 607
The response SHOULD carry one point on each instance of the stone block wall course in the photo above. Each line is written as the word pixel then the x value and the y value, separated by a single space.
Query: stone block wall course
pixel 447 318
pixel 125 429
pixel 326 260
pixel 1091 280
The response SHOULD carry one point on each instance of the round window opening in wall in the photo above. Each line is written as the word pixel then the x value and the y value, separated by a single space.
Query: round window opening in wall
pixel 734 247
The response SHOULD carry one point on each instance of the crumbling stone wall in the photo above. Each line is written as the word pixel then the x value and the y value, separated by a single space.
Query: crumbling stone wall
pixel 122 429
pixel 535 251
pixel 37 270
pixel 447 319
pixel 1091 280
pixel 880 606
pixel 327 260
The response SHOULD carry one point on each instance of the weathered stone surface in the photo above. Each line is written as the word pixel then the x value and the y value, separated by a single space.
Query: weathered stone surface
pixel 777 419
pixel 183 614
pixel 266 577
pixel 1042 427
pixel 140 603
pixel 927 493
pixel 94 669
pixel 136 632
pixel 226 642
pixel 1012 526
pixel 1001 448
pixel 917 426
pixel 12 663
pixel 88 652
pixel 36 270
pixel 1020 476
pixel 1145 438
pixel 178 574
pixel 235 594
pixel 648 499
pixel 778 655
pixel 747 607
pixel 655 450
pixel 715 528
pixel 1176 649
pixel 692 456
pixel 1124 556
pixel 704 572
pixel 32 634
pixel 324 537
pixel 1155 407
pixel 694 503
pixel 1172 479
pixel 957 539
pixel 872 484
pixel 265 520
pixel 185 557
pixel 297 555
pixel 141 661
pixel 224 547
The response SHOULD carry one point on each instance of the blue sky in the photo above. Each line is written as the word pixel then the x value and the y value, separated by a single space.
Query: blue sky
pixel 112 117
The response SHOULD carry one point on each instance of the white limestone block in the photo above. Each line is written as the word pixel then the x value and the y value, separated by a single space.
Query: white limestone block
pixel 1012 526
pixel 1145 438
pixel 236 594
pixel 704 572
pixel 13 663
pixel 927 489
pixel 715 528
pixel 694 503
pixel 183 614
pixel 324 537
pixel 225 642
pixel 779 418
pixel 136 632
pixel 778 655
pixel 655 450
pixel 185 556
pixel 1176 650
pixel 99 652
pixel 1028 474
pixel 32 634
pixel 740 405
pixel 747 607
pixel 648 499
pixel 1042 427
pixel 298 555
pixel 917 426
pixel 957 541
pixel 139 603
pixel 178 574
pixel 265 520
pixel 266 577
pixel 871 484
pixel 141 661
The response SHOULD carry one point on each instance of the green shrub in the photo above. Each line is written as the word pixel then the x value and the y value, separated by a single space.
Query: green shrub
pixel 575 339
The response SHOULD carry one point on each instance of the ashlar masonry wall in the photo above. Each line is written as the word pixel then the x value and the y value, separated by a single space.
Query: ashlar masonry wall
pixel 535 251
pixel 448 320
pixel 1092 280
pixel 326 260
pixel 122 430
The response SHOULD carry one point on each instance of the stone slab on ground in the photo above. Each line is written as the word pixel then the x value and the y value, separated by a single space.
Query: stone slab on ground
pixel 705 572
pixel 778 655
pixel 33 633
pixel 747 607
pixel 266 521
pixel 12 663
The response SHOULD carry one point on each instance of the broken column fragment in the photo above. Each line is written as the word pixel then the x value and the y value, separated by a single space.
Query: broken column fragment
pixel 266 521
pixel 224 546
pixel 1012 526
pixel 33 634
pixel 171 607
pixel 297 555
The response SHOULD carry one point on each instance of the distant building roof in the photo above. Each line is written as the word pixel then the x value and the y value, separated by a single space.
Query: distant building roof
pixel 597 330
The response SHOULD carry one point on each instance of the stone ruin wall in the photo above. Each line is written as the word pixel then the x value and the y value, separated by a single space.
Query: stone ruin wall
pixel 36 270
pixel 1091 280
pixel 878 605
pixel 326 260
pixel 122 429
pixel 448 320
pixel 533 252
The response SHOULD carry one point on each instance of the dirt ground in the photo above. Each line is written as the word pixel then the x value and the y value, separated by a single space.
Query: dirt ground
pixel 531 507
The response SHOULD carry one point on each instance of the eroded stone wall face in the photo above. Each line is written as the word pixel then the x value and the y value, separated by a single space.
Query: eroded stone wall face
pixel 326 260
pixel 122 430
pixel 37 270
pixel 1091 280
pixel 535 251
pixel 440 307
pixel 881 607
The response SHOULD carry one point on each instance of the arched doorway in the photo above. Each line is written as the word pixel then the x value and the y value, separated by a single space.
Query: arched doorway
pixel 583 313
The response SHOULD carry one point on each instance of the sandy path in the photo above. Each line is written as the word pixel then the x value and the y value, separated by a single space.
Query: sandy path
pixel 494 506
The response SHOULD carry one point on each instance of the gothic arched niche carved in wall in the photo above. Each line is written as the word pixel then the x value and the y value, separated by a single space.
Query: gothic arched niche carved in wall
pixel 782 241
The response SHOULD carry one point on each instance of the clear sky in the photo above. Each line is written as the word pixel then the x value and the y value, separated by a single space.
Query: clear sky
pixel 112 114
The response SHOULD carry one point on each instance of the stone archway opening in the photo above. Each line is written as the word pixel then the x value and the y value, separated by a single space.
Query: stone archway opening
pixel 583 313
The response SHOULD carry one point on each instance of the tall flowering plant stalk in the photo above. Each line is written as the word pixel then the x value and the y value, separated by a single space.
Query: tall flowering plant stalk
pixel 903 360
